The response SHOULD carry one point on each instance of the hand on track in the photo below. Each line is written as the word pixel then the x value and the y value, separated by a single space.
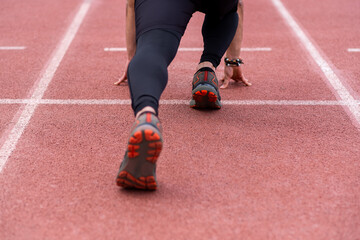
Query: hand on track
pixel 123 78
pixel 235 74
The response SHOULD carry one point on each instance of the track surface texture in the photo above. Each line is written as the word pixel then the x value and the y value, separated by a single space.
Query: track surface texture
pixel 279 160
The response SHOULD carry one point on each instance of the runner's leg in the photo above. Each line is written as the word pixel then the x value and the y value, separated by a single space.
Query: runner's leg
pixel 160 25
pixel 147 71
pixel 218 31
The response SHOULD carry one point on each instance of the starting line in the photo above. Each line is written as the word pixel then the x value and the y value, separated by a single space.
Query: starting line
pixel 353 50
pixel 257 49
pixel 177 102
pixel 12 47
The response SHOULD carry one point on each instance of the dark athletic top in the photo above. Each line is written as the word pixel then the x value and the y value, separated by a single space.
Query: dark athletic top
pixel 175 14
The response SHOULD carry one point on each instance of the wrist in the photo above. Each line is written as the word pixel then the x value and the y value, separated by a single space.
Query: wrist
pixel 233 62
pixel 130 54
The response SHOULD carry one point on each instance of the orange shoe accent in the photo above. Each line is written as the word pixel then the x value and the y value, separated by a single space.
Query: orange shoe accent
pixel 133 179
pixel 150 135
pixel 133 147
pixel 154 153
pixel 148 117
pixel 156 145
pixel 132 151
pixel 151 186
pixel 150 179
pixel 202 92
pixel 199 94
pixel 136 138
pixel 213 79
pixel 197 98
pixel 126 180
pixel 124 183
pixel 197 79
pixel 212 97
pixel 133 154
pixel 123 174
pixel 152 159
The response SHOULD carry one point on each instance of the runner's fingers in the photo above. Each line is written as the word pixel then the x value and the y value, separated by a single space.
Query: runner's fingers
pixel 225 83
pixel 245 81
pixel 123 78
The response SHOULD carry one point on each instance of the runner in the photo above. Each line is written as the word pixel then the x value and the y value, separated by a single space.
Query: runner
pixel 154 29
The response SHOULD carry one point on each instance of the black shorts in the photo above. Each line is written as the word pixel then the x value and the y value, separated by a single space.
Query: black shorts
pixel 175 14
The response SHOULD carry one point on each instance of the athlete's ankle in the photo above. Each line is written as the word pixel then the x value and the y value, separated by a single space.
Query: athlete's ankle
pixel 145 109
pixel 205 64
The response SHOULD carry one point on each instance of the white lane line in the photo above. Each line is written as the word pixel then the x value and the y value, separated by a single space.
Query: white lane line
pixel 256 49
pixel 353 50
pixel 12 47
pixel 114 49
pixel 40 88
pixel 174 102
pixel 288 102
pixel 332 78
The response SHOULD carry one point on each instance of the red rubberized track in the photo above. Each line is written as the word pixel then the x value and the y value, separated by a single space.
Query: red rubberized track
pixel 258 171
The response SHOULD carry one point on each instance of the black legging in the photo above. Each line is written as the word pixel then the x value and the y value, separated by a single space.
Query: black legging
pixel 157 45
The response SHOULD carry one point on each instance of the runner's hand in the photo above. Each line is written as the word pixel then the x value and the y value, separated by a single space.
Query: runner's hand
pixel 235 74
pixel 123 78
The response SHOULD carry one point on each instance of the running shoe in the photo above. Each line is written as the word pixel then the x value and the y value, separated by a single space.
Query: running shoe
pixel 138 168
pixel 205 93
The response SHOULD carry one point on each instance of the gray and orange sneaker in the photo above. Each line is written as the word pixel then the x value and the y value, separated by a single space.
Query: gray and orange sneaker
pixel 205 93
pixel 138 168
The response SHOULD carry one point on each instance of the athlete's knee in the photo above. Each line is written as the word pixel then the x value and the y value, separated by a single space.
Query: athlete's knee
pixel 147 63
pixel 159 44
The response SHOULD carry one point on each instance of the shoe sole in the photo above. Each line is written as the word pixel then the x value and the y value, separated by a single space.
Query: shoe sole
pixel 204 96
pixel 143 150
